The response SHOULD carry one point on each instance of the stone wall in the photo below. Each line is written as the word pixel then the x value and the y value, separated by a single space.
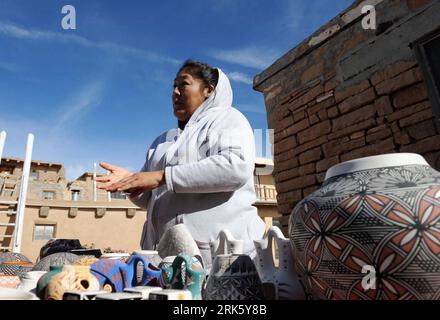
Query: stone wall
pixel 346 93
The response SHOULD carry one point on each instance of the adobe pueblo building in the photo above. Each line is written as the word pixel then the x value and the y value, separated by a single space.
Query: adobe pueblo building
pixel 58 208
pixel 347 92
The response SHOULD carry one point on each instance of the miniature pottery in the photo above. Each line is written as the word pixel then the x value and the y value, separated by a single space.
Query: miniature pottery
pixel 233 277
pixel 380 212
pixel 12 256
pixel 56 259
pixel 71 278
pixel 42 283
pixel 178 239
pixel 115 275
pixel 225 244
pixel 187 273
pixel 15 268
pixel 276 269
pixel 150 256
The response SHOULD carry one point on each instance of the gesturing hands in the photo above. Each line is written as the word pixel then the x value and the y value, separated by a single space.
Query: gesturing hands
pixel 121 179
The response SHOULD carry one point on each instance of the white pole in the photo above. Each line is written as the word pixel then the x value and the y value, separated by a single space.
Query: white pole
pixel 21 206
pixel 94 181
pixel 2 143
pixel 109 194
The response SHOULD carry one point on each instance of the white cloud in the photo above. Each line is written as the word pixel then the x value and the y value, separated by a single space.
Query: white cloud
pixel 66 146
pixel 252 57
pixel 295 15
pixel 87 98
pixel 240 77
pixel 17 32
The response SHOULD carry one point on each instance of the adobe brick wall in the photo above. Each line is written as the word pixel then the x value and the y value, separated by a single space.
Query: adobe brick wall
pixel 346 93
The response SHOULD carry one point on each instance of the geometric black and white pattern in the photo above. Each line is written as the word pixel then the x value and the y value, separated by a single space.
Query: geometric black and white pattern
pixel 386 218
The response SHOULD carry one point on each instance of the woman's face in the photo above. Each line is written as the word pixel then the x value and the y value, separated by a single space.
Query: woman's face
pixel 188 95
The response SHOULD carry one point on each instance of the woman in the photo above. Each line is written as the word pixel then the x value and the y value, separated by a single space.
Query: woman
pixel 201 173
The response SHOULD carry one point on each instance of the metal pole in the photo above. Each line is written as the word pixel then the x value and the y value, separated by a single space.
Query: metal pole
pixel 2 143
pixel 94 181
pixel 21 206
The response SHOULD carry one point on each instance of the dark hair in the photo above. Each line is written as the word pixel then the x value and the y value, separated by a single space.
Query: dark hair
pixel 202 71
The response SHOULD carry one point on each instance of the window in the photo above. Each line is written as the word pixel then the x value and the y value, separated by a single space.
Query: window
pixel 34 174
pixel 118 195
pixel 44 231
pixel 48 195
pixel 75 195
pixel 427 50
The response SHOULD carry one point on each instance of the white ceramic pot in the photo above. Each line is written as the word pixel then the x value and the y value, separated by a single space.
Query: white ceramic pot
pixel 275 265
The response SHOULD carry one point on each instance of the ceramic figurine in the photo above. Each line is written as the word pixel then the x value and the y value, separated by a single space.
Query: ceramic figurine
pixel 377 214
pixel 279 279
pixel 225 244
pixel 115 275
pixel 233 277
pixel 44 280
pixel 71 278
pixel 176 240
pixel 55 259
pixel 187 273
pixel 151 257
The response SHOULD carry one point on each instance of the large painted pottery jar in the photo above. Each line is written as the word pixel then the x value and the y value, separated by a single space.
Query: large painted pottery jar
pixel 71 278
pixel 372 231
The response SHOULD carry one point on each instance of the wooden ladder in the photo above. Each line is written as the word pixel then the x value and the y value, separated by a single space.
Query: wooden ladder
pixel 9 208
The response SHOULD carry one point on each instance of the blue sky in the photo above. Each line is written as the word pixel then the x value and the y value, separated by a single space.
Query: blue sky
pixel 102 92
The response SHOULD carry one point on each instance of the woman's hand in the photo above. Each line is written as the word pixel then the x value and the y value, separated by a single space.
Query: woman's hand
pixel 138 183
pixel 117 174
